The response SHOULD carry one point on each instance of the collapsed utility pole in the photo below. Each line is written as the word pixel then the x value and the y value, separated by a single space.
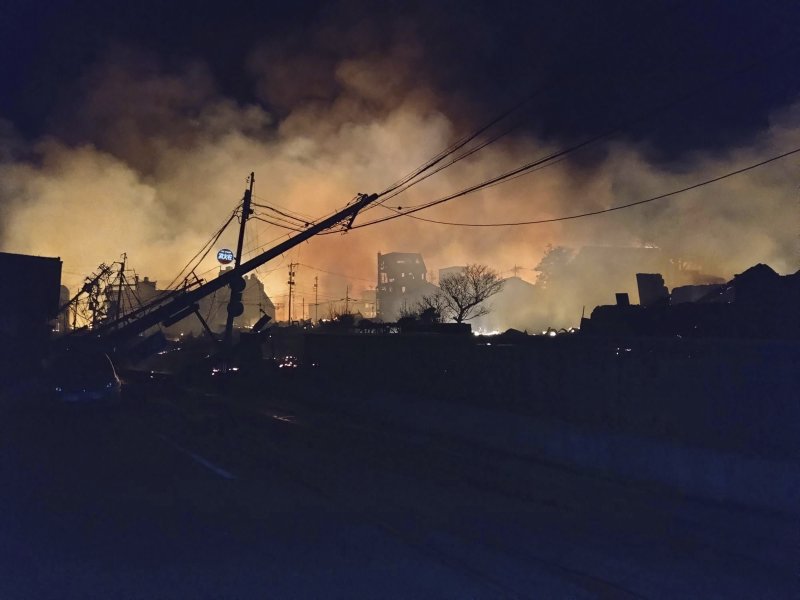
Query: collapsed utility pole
pixel 181 304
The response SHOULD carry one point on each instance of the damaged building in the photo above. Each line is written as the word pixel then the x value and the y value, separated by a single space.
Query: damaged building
pixel 402 282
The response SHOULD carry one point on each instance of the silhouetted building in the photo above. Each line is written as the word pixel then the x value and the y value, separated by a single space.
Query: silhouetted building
pixel 31 295
pixel 590 278
pixel 402 281
pixel 755 304
pixel 28 305
pixel 652 290
pixel 145 290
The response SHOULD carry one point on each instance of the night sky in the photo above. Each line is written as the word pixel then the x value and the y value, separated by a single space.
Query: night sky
pixel 121 118
pixel 587 59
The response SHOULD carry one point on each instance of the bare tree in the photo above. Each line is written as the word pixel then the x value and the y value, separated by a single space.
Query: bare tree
pixel 461 295
pixel 432 308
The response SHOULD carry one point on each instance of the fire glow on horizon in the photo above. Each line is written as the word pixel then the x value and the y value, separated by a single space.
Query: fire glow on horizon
pixel 167 156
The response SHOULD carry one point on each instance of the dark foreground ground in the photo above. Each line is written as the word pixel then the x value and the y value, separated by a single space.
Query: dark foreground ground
pixel 181 494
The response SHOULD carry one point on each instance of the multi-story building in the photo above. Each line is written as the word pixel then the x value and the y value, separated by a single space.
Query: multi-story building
pixel 402 281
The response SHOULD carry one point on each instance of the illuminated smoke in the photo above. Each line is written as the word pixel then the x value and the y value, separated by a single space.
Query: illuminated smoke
pixel 150 162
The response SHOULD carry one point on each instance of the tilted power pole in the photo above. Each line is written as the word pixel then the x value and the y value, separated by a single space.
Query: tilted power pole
pixel 183 304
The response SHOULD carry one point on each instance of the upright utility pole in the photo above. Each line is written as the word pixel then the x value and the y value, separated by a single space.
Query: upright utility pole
pixel 235 306
pixel 316 299
pixel 347 300
pixel 120 282
pixel 291 287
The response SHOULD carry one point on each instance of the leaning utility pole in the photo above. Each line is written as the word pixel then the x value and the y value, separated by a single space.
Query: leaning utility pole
pixel 180 306
pixel 235 306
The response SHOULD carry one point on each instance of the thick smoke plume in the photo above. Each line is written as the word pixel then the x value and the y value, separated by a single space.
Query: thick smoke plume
pixel 150 160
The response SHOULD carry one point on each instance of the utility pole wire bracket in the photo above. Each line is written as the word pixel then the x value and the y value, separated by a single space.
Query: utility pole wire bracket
pixel 362 200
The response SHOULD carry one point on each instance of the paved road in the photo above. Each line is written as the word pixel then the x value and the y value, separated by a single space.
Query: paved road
pixel 186 496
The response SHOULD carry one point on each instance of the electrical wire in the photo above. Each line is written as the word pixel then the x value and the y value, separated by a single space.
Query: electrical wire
pixel 204 250
pixel 300 214
pixel 591 213
pixel 275 223
pixel 290 218
pixel 449 163
pixel 460 144
pixel 555 157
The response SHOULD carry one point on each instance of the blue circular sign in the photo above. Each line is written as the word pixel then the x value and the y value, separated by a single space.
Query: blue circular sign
pixel 225 256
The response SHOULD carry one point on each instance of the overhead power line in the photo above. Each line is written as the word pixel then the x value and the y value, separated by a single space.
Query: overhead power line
pixel 275 223
pixel 298 214
pixel 188 268
pixel 590 213
pixel 557 156
pixel 406 182
pixel 291 218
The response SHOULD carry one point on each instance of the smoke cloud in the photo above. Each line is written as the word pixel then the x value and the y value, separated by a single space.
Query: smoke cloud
pixel 150 159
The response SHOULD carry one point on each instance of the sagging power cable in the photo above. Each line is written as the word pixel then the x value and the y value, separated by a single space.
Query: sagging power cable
pixel 580 215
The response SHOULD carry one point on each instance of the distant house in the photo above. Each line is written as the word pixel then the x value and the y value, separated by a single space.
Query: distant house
pixel 446 271
pixel 513 307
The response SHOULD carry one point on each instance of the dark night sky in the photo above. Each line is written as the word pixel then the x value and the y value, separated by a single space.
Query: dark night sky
pixel 607 58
